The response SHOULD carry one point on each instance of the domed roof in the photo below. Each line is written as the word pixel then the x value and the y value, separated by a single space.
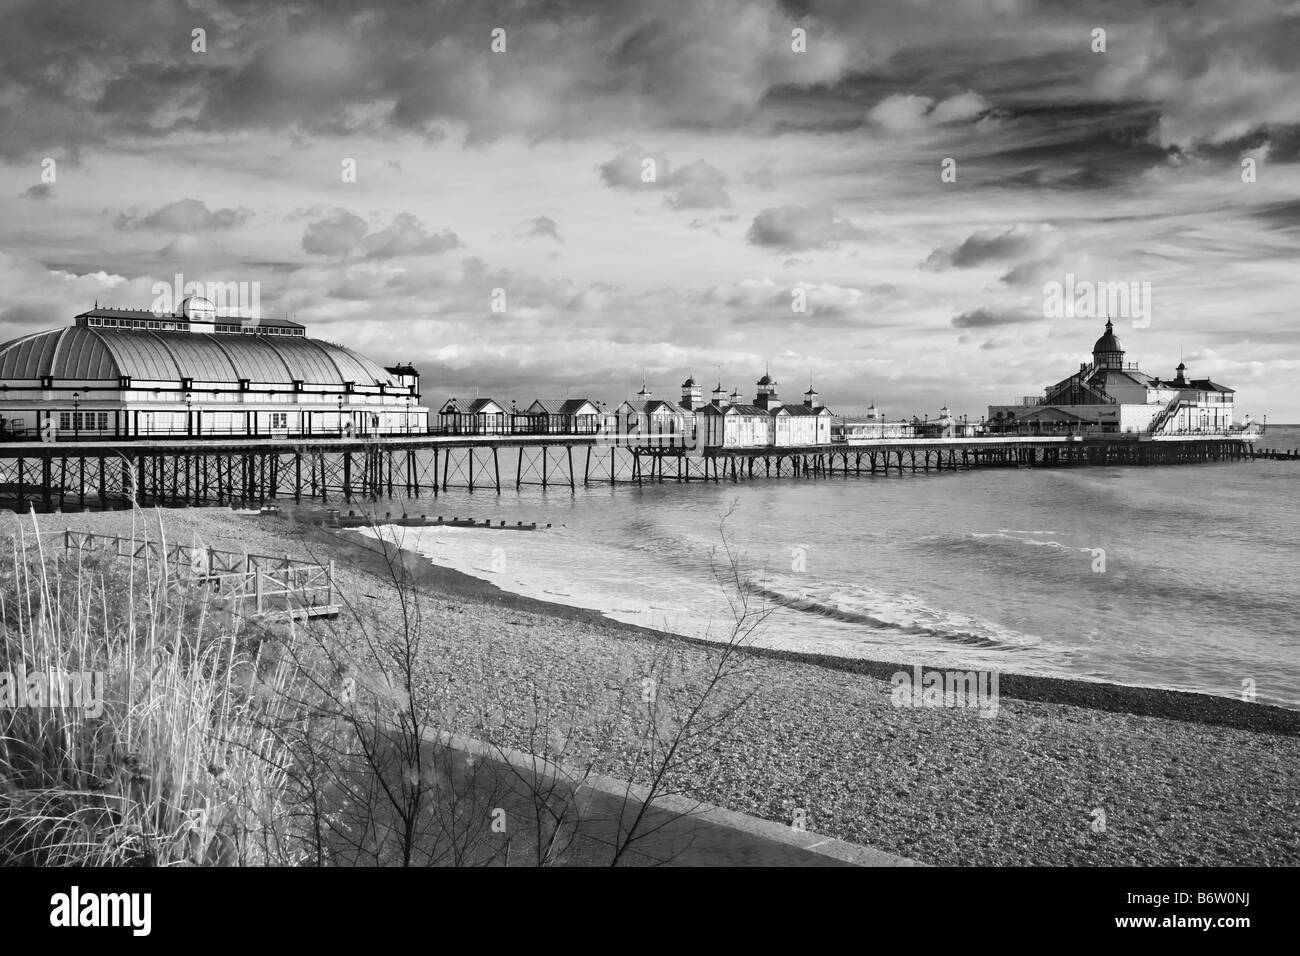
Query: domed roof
pixel 199 309
pixel 689 383
pixel 110 354
pixel 765 380
pixel 1108 342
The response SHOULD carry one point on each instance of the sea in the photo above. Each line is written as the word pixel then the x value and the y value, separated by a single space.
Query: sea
pixel 1180 577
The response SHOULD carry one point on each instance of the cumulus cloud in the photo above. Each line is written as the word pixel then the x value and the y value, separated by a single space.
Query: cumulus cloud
pixel 407 236
pixel 800 227
pixel 185 215
pixel 338 234
pixel 696 185
pixel 635 168
pixel 342 233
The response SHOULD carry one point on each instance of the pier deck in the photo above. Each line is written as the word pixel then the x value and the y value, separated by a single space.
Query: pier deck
pixel 219 471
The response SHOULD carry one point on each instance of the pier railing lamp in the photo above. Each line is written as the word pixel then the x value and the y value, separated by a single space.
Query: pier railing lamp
pixel 76 415
pixel 340 416
pixel 189 399
pixel 408 414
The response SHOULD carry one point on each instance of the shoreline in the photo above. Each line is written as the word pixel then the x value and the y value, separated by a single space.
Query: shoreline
pixel 1183 779
pixel 1135 700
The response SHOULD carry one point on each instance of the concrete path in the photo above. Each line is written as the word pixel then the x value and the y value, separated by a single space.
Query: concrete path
pixel 677 831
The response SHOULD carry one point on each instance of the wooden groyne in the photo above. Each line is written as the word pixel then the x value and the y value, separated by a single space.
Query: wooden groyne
pixel 334 519
pixel 254 471
pixel 1275 454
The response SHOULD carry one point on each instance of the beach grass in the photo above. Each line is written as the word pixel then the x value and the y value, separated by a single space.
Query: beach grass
pixel 134 738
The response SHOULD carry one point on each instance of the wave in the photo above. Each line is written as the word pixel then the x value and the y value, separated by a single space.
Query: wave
pixel 898 614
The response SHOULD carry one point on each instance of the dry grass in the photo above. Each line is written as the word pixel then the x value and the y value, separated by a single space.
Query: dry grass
pixel 181 766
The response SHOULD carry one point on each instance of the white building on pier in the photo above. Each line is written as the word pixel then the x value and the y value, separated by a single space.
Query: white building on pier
pixel 122 373
pixel 1111 396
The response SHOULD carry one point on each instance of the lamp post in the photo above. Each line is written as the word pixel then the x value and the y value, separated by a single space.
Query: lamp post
pixel 408 414
pixel 189 428
pixel 340 416
pixel 76 415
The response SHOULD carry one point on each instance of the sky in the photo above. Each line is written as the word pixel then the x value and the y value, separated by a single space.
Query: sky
pixel 871 196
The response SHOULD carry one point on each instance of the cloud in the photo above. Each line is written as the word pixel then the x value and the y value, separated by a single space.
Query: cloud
pixel 904 112
pixel 635 168
pixel 543 227
pixel 696 185
pixel 800 227
pixel 38 193
pixel 192 249
pixel 990 245
pixel 337 235
pixel 985 318
pixel 343 233
pixel 43 314
pixel 407 236
pixel 961 108
pixel 185 215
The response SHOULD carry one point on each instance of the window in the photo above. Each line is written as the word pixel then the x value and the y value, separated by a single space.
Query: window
pixel 65 421
pixel 279 419
pixel 103 421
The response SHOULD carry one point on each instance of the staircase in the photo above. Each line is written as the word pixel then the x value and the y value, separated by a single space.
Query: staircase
pixel 1158 423
pixel 1096 394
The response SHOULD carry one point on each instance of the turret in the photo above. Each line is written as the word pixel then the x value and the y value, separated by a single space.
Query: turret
pixel 766 397
pixel 691 396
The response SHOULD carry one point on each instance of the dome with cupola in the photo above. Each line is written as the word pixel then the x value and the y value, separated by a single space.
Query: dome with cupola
pixel 1107 352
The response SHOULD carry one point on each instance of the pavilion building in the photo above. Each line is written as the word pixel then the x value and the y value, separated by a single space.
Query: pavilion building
pixel 126 374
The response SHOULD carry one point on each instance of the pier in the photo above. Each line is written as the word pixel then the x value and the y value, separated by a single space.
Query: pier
pixel 62 475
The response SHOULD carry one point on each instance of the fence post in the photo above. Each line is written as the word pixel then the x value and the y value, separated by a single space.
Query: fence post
pixel 257 587
pixel 67 540
pixel 329 585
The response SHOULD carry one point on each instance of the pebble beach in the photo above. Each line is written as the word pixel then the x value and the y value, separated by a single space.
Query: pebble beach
pixel 1065 773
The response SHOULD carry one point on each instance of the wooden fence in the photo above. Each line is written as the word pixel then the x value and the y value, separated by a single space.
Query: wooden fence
pixel 273 584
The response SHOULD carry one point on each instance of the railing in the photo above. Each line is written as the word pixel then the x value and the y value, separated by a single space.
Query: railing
pixel 162 433
pixel 286 584
pixel 1164 415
